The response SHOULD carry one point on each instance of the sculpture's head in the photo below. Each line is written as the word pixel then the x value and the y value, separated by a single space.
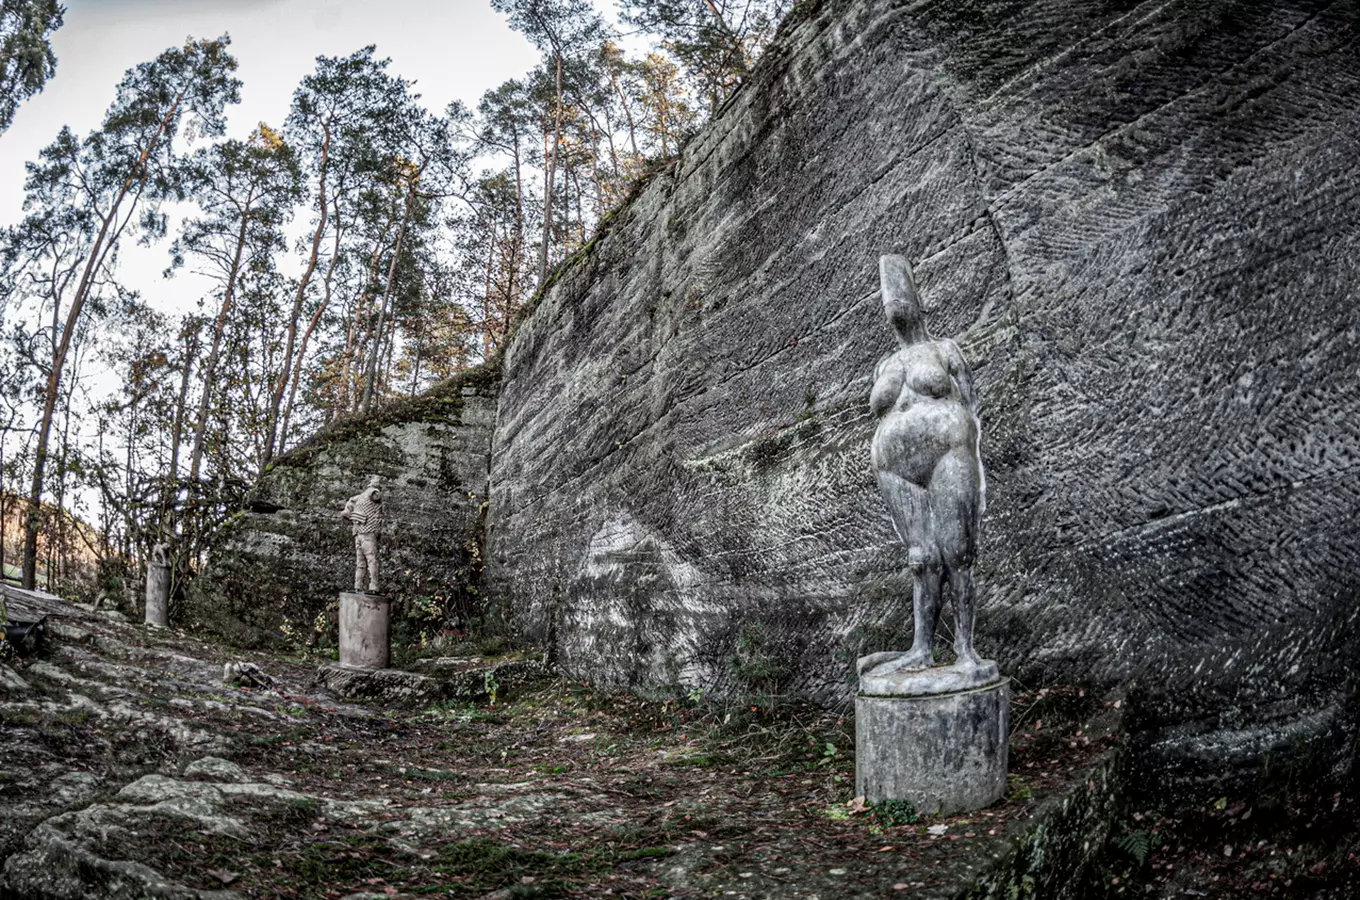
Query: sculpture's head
pixel 901 303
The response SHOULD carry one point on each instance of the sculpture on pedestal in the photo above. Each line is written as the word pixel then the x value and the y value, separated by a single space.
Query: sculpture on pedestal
pixel 925 454
pixel 936 735
pixel 364 513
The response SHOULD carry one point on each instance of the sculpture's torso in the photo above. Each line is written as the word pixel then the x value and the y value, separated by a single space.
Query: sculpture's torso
pixel 365 511
pixel 923 415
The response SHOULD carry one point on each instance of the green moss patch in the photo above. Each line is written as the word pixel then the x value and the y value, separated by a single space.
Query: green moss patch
pixel 443 402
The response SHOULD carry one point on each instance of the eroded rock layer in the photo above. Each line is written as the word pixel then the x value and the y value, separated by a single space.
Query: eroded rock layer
pixel 1141 222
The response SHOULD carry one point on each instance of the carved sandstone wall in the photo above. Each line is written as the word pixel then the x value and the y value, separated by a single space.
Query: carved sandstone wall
pixel 288 556
pixel 1141 221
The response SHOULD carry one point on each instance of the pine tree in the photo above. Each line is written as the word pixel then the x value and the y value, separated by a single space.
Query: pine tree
pixel 84 197
pixel 245 191
pixel 26 57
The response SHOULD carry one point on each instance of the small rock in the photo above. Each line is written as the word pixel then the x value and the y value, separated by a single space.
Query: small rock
pixel 213 768
pixel 47 670
pixel 66 631
pixel 10 680
pixel 74 787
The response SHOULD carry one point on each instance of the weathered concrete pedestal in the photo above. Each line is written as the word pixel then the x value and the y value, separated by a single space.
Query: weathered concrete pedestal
pixel 945 751
pixel 365 621
pixel 158 595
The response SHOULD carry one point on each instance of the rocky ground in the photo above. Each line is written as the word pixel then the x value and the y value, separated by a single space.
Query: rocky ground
pixel 1294 845
pixel 128 769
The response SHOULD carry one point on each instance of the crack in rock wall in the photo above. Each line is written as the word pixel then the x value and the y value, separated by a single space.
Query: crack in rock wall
pixel 1139 221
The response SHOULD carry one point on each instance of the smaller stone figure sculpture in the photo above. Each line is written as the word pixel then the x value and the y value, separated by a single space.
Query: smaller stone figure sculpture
pixel 364 513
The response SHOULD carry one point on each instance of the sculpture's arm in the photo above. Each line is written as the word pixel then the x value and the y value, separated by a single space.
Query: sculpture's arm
pixel 887 387
pixel 963 376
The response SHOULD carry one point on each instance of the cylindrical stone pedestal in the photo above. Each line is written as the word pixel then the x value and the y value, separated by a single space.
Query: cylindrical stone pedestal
pixel 946 753
pixel 158 595
pixel 364 630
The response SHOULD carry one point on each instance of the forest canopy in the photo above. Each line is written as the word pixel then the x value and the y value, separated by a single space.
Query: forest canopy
pixel 360 250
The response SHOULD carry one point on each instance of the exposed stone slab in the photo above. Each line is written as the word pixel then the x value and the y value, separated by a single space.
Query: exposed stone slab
pixel 212 768
pixel 395 686
pixel 10 680
pixel 400 687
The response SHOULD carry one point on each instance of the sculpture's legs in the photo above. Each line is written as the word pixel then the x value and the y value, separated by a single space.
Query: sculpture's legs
pixel 925 602
pixel 360 563
pixel 965 611
pixel 368 552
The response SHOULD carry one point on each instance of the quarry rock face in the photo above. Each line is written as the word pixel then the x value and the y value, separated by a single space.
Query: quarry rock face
pixel 1141 225
pixel 284 561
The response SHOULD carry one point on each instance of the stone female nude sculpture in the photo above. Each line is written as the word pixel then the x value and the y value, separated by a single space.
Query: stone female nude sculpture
pixel 925 454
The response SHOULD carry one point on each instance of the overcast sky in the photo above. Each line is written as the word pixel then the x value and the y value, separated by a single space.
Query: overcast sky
pixel 453 49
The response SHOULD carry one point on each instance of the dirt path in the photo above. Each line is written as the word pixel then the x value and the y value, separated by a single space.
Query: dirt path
pixel 129 770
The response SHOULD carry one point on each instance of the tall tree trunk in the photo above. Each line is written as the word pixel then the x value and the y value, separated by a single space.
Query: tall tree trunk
pixel 368 300
pixel 550 175
pixel 98 252
pixel 348 370
pixel 311 325
pixel 627 112
pixel 517 248
pixel 4 508
pixel 272 436
pixel 608 134
pixel 387 293
pixel 176 436
pixel 214 354
pixel 390 353
pixel 415 366
pixel 60 552
pixel 487 285
pixel 580 210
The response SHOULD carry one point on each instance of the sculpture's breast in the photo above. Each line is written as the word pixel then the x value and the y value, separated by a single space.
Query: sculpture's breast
pixel 923 375
pixel 929 378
